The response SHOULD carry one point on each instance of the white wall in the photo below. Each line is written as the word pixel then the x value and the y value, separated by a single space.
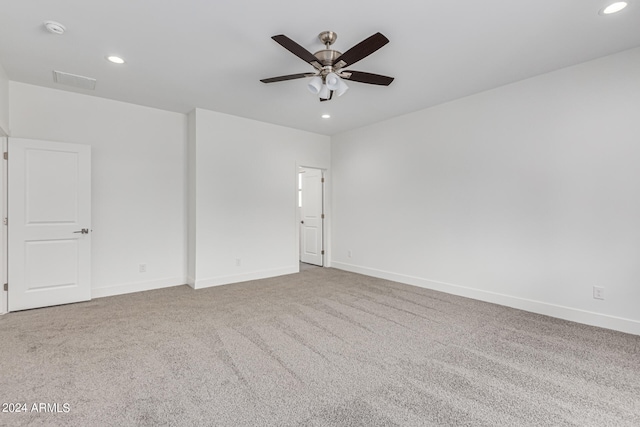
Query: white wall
pixel 138 181
pixel 527 195
pixel 4 102
pixel 245 196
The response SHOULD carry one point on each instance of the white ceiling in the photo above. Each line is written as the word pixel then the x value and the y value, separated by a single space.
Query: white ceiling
pixel 211 53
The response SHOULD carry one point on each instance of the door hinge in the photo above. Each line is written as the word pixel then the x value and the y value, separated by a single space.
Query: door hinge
pixel 6 155
pixel 322 179
pixel 322 252
pixel 322 216
pixel 6 286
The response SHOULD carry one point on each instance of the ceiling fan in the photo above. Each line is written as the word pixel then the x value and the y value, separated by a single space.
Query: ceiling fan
pixel 329 64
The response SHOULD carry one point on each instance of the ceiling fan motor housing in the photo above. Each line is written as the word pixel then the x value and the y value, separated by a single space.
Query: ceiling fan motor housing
pixel 327 56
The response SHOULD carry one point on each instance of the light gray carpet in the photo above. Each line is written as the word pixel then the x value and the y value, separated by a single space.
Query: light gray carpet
pixel 319 348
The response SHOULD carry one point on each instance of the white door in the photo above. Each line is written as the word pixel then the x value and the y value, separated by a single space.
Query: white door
pixel 49 214
pixel 311 216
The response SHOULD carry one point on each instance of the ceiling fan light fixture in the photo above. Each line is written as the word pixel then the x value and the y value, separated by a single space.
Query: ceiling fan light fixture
pixel 315 85
pixel 613 8
pixel 332 80
pixel 342 88
pixel 325 92
pixel 335 83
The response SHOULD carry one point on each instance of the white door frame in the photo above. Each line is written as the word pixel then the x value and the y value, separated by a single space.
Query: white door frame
pixel 4 300
pixel 326 226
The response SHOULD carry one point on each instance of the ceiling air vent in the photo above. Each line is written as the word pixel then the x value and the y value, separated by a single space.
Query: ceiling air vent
pixel 74 80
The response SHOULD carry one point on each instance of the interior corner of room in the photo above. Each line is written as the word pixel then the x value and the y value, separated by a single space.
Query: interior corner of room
pixel 522 195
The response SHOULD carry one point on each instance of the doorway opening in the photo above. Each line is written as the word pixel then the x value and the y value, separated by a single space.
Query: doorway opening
pixel 311 214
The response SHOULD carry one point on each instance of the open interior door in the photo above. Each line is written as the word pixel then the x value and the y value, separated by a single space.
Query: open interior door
pixel 49 215
pixel 311 216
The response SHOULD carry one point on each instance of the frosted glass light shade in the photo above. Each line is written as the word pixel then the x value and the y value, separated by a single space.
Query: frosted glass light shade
pixel 325 92
pixel 342 88
pixel 335 83
pixel 315 84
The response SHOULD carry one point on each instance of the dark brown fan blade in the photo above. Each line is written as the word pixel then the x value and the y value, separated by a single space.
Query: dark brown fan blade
pixel 361 50
pixel 288 77
pixel 362 77
pixel 297 50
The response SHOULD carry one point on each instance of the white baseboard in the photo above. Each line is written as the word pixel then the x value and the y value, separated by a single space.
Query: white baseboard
pixel 128 288
pixel 244 277
pixel 191 281
pixel 567 313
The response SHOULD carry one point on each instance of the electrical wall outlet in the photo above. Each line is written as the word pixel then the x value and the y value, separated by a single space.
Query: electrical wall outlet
pixel 598 292
pixel 349 253
pixel 143 268
pixel 238 262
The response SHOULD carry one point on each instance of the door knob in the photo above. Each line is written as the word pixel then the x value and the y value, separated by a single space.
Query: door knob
pixel 83 231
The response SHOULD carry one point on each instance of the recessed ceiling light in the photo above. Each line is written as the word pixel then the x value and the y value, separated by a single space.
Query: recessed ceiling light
pixel 326 116
pixel 613 8
pixel 115 59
